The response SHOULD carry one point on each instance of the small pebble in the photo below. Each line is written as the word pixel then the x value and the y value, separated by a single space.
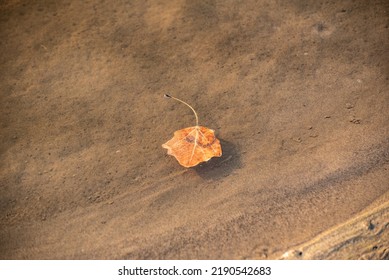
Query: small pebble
pixel 298 140
pixel 355 120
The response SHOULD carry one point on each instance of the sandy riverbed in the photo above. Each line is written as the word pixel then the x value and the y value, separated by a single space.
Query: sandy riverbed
pixel 297 93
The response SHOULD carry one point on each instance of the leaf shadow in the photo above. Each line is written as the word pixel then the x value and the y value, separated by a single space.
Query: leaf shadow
pixel 220 167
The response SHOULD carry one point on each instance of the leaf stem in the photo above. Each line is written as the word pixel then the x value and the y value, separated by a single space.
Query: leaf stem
pixel 197 119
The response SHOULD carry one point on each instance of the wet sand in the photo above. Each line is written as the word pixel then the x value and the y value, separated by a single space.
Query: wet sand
pixel 364 237
pixel 297 93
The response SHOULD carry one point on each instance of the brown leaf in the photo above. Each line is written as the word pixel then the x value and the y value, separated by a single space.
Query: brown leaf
pixel 193 145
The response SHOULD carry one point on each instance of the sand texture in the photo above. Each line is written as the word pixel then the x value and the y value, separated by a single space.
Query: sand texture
pixel 364 237
pixel 296 91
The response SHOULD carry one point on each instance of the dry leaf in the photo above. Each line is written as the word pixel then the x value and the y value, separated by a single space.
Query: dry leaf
pixel 193 145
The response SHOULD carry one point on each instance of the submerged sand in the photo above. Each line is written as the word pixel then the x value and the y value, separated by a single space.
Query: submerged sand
pixel 297 92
